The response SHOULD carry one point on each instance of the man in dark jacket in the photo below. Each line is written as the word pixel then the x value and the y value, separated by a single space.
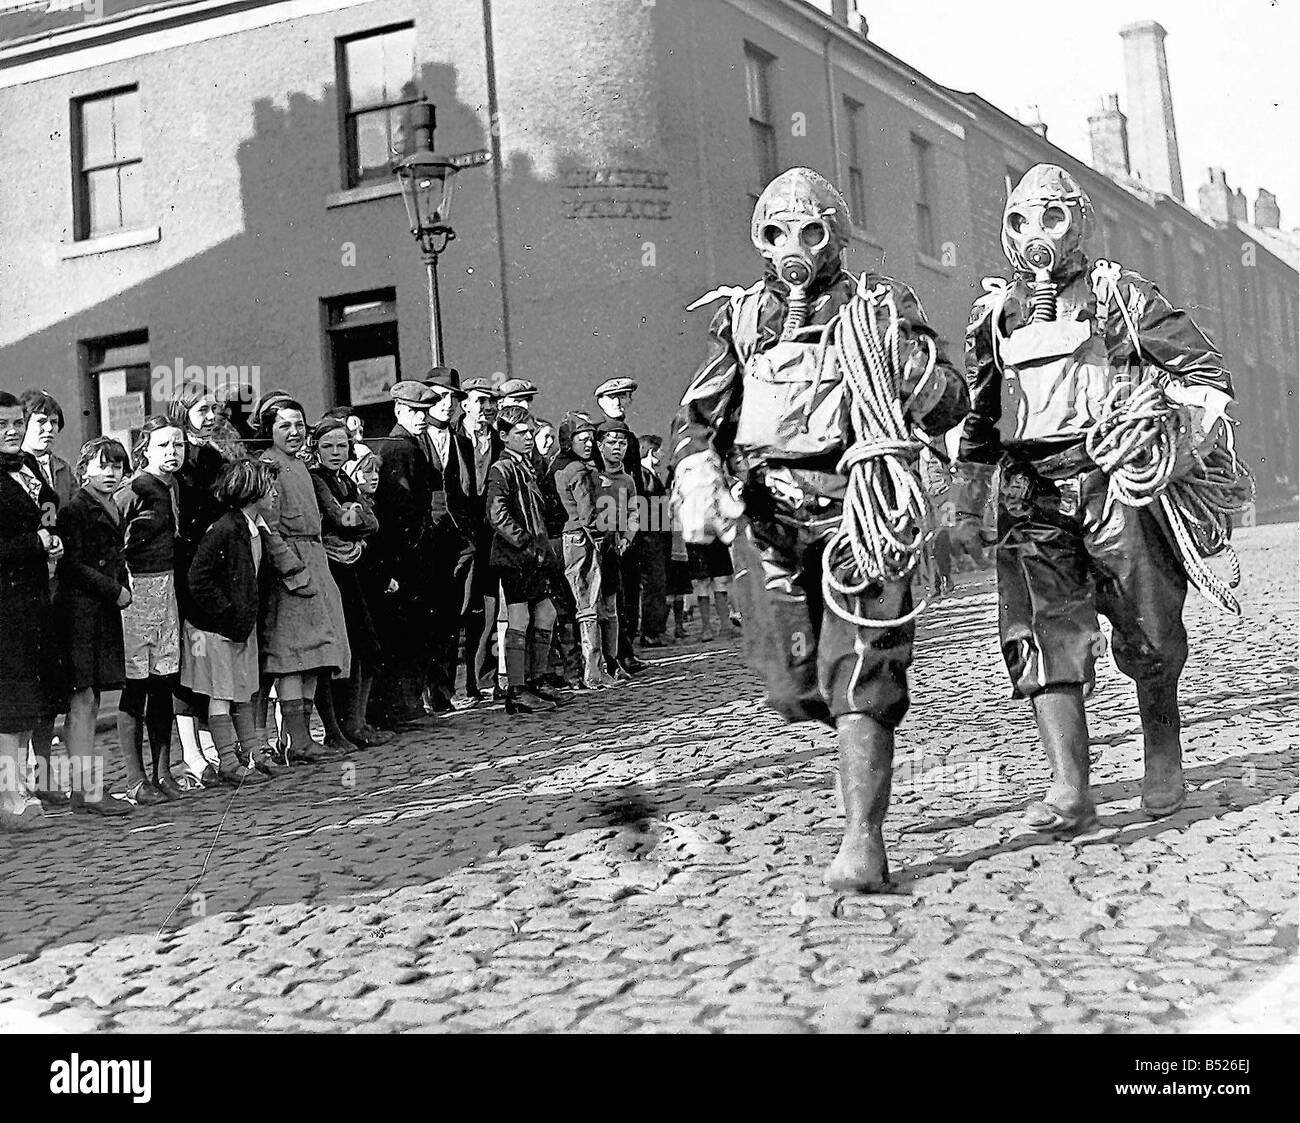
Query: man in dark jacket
pixel 770 404
pixel 1051 358
pixel 403 553
pixel 479 429
pixel 454 522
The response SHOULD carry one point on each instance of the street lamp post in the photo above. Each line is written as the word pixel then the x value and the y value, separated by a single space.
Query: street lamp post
pixel 427 180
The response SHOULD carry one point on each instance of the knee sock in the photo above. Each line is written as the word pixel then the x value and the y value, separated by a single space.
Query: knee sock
pixel 130 728
pixel 516 657
pixel 226 741
pixel 679 612
pixel 293 712
pixel 539 654
pixel 609 637
pixel 242 716
pixel 705 603
pixel 158 721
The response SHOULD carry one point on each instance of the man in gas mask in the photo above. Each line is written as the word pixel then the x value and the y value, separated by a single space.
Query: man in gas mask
pixel 770 408
pixel 1049 356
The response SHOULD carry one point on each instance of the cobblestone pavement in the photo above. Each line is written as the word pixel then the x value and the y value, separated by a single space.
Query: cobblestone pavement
pixel 651 860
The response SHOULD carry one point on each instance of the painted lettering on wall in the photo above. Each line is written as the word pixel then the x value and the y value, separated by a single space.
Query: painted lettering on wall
pixel 613 193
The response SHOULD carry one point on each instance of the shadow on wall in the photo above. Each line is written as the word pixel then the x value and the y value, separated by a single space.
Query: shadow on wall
pixel 255 302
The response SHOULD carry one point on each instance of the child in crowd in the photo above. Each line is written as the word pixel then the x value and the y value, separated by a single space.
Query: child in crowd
pixel 377 586
pixel 221 629
pixel 195 410
pixel 347 519
pixel 148 504
pixel 44 417
pixel 654 546
pixel 304 635
pixel 617 521
pixel 574 478
pixel 711 572
pixel 93 589
pixel 518 559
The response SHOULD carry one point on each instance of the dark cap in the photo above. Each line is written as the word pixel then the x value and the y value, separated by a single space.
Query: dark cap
pixel 446 380
pixel 414 394
pixel 613 425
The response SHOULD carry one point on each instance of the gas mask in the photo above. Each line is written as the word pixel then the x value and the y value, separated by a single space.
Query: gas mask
pixel 801 225
pixel 1048 216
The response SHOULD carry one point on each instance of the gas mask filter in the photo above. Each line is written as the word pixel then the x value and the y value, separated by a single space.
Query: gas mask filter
pixel 1043 227
pixel 801 225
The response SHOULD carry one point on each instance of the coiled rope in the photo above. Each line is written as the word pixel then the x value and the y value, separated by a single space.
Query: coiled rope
pixel 885 523
pixel 1137 443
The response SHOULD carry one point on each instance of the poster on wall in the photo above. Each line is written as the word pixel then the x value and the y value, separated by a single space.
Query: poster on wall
pixel 369 380
pixel 125 412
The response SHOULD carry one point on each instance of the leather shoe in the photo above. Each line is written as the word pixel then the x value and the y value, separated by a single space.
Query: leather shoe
pixel 105 806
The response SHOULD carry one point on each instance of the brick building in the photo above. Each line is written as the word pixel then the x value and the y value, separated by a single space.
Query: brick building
pixel 204 183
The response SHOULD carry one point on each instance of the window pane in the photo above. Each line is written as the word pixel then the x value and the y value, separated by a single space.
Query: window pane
pixel 857 197
pixel 371 143
pixel 399 65
pixel 756 86
pixel 102 210
pixel 764 152
pixel 126 125
pixel 364 63
pixel 96 132
pixel 131 183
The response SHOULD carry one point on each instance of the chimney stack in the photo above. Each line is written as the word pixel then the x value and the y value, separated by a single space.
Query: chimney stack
pixel 1153 142
pixel 1238 206
pixel 1108 131
pixel 1267 214
pixel 1215 197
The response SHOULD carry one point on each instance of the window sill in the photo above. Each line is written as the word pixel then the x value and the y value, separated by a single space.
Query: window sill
pixel 363 194
pixel 107 243
pixel 933 264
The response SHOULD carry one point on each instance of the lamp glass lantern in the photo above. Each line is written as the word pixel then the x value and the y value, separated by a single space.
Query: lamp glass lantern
pixel 427 180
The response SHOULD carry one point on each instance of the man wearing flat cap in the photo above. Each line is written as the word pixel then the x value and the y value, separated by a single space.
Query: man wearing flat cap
pixel 480 409
pixel 517 392
pixel 454 524
pixel 613 396
pixel 403 504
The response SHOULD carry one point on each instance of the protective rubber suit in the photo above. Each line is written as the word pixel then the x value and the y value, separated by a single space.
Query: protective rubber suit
pixel 757 447
pixel 1046 355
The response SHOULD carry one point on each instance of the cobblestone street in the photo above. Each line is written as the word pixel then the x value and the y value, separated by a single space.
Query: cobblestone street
pixel 650 859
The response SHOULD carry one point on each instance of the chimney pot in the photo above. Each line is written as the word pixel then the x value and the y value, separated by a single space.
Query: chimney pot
pixel 1268 216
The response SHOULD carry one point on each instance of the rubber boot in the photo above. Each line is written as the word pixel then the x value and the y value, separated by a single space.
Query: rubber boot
pixel 866 776
pixel 1067 809
pixel 594 675
pixel 1163 787
pixel 539 662
pixel 158 720
pixel 130 740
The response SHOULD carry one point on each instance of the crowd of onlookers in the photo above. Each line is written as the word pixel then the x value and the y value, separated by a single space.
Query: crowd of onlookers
pixel 233 576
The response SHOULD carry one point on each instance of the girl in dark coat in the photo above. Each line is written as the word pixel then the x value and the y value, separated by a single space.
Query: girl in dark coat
pixel 221 631
pixel 30 671
pixel 93 588
pixel 347 520
pixel 195 410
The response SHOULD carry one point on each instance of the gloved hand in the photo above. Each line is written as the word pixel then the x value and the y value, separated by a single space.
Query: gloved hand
pixel 1202 418
pixel 705 506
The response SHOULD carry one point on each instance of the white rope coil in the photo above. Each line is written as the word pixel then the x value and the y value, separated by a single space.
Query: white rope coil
pixel 1136 443
pixel 883 528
